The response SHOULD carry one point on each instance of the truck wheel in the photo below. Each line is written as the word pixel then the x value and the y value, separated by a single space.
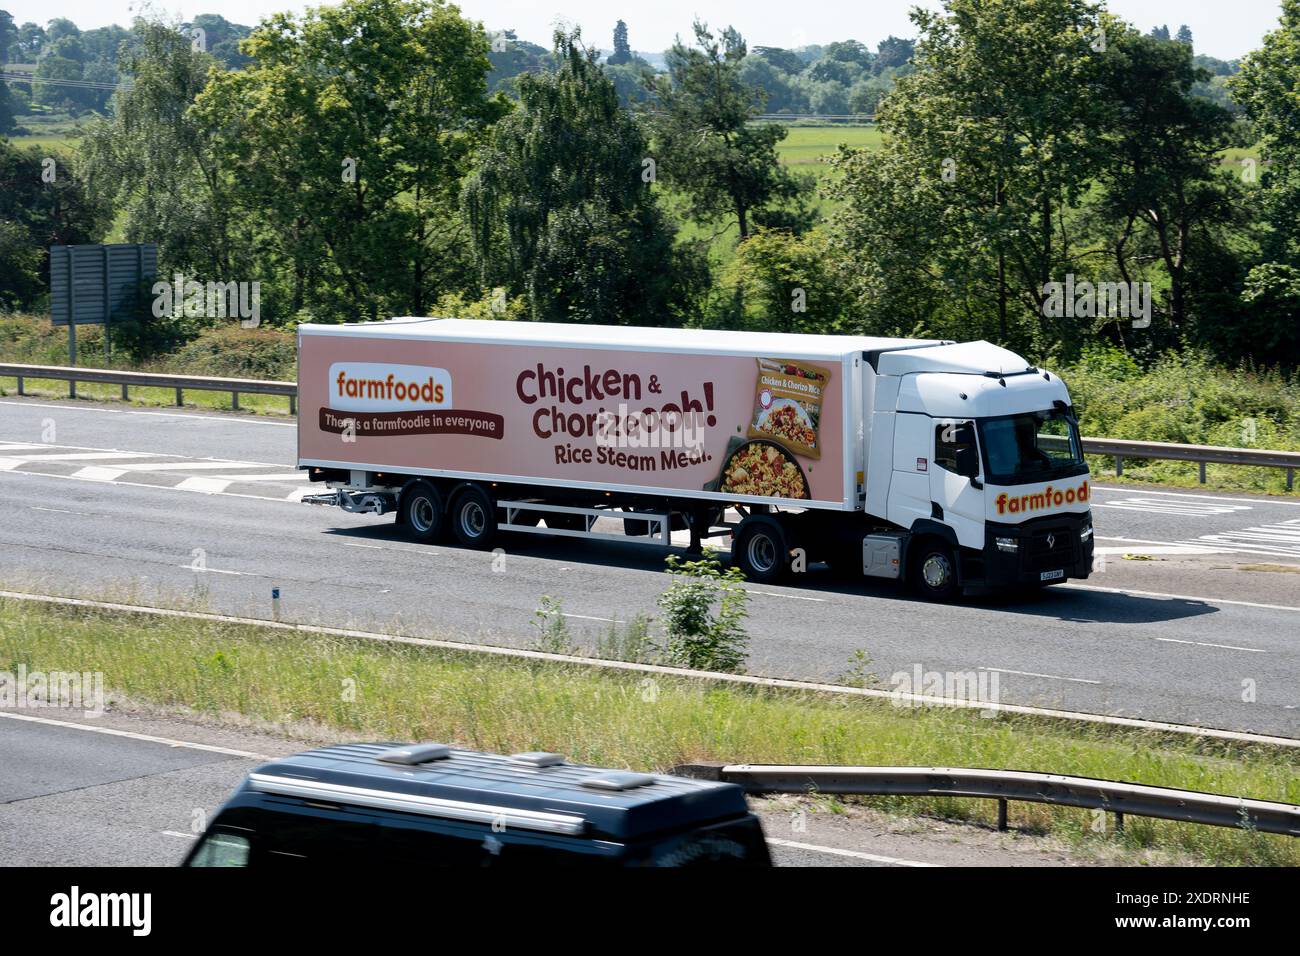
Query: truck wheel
pixel 474 518
pixel 761 550
pixel 422 512
pixel 934 570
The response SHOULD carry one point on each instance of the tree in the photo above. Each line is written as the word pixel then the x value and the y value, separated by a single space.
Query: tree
pixel 707 146
pixel 622 50
pixel 156 163
pixel 36 213
pixel 8 35
pixel 1184 34
pixel 787 61
pixel 1160 33
pixel 963 216
pixel 345 141
pixel 893 52
pixel 1161 187
pixel 560 210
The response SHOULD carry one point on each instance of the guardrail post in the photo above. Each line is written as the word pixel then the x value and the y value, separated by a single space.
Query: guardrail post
pixel 293 404
pixel 234 401
pixel 20 391
pixel 1202 471
pixel 180 397
pixel 1119 465
pixel 72 388
pixel 126 397
pixel 1290 472
pixel 1002 815
pixel 1119 822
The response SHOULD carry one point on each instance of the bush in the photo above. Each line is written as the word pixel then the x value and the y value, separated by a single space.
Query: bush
pixel 696 635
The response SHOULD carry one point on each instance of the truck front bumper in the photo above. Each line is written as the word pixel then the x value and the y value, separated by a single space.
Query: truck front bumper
pixel 1038 551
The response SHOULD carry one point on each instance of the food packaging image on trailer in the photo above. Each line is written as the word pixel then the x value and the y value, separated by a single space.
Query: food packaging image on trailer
pixel 687 413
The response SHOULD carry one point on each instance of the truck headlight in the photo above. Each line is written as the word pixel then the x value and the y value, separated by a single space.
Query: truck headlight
pixel 1007 544
pixel 1086 533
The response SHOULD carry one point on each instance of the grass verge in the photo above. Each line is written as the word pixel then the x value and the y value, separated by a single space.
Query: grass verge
pixel 387 692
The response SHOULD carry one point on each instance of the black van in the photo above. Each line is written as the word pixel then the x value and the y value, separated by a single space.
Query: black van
pixel 431 805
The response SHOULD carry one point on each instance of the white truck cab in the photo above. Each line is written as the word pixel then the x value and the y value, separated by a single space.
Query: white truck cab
pixel 976 455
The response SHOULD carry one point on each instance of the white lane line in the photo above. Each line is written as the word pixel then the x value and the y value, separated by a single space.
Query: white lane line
pixel 1209 549
pixel 132 735
pixel 195 464
pixel 1160 549
pixel 1004 670
pixel 83 456
pixel 1261 500
pixel 98 473
pixel 792 597
pixel 1177 509
pixel 65 511
pixel 1226 647
pixel 127 411
pixel 751 680
pixel 295 476
pixel 242 574
pixel 588 617
pixel 1178 597
pixel 379 547
pixel 211 486
pixel 291 497
pixel 178 834
pixel 7 446
pixel 852 854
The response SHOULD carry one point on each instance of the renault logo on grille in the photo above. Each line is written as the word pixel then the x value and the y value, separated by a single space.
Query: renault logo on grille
pixel 1051 542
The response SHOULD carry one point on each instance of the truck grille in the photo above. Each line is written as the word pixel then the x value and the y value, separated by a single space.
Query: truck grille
pixel 1047 550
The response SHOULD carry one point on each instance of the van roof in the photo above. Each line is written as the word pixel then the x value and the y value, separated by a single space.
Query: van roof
pixel 527 791
pixel 627 337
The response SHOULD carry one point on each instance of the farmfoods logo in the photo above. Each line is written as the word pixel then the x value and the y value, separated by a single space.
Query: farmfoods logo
pixel 376 398
pixel 1049 497
pixel 378 387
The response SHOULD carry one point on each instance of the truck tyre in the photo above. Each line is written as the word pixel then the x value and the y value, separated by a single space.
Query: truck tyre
pixel 933 570
pixel 422 513
pixel 761 549
pixel 473 518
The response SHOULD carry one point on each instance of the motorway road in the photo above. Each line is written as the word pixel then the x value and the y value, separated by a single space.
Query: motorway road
pixel 122 791
pixel 117 502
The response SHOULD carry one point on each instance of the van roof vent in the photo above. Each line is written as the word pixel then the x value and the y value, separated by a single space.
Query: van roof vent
pixel 537 758
pixel 415 754
pixel 618 780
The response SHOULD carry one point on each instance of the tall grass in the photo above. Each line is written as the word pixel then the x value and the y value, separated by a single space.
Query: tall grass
pixel 365 690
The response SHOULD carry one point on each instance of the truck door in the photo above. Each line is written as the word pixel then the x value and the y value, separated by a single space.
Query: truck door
pixel 955 480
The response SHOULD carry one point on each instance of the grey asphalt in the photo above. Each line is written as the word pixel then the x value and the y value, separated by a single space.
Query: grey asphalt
pixel 1196 658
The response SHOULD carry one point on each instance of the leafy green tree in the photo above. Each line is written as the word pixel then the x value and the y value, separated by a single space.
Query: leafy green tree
pixel 990 142
pixel 784 283
pixel 38 210
pixel 156 163
pixel 1184 34
pixel 346 139
pixel 891 52
pixel 708 147
pixel 561 209
pixel 622 49
pixel 1162 191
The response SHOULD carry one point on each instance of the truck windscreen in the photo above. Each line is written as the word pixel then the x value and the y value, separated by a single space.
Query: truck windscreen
pixel 1030 447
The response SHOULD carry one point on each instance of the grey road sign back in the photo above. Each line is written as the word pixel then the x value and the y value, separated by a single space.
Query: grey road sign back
pixel 92 285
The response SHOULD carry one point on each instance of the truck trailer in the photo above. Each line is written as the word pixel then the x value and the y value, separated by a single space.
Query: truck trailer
pixel 949 466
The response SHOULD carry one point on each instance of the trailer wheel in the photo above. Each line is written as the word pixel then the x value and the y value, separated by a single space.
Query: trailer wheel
pixel 474 518
pixel 761 549
pixel 422 512
pixel 933 571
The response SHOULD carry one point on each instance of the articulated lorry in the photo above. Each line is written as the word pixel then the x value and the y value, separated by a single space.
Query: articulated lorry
pixel 949 466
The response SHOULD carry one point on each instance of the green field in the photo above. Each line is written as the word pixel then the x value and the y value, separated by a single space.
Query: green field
pixel 809 147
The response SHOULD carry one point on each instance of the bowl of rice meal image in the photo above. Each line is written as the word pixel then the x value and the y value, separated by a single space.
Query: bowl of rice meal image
pixel 763 469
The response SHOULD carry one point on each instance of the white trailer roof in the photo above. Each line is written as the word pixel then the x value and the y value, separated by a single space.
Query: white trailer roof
pixel 626 337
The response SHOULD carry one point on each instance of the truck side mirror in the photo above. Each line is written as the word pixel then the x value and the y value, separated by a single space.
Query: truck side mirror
pixel 968 461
